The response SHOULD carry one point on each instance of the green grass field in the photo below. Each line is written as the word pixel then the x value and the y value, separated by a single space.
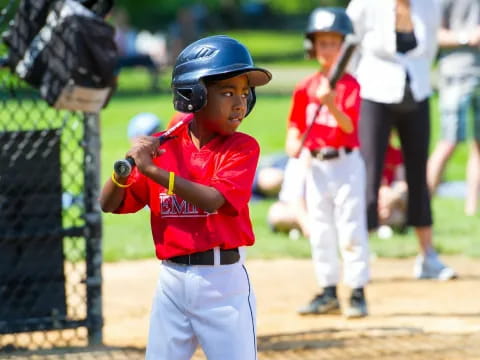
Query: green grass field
pixel 128 236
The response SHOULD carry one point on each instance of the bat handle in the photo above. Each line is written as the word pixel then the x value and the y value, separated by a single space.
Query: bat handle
pixel 124 167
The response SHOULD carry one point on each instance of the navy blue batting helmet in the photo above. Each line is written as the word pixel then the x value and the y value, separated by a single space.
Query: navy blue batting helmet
pixel 213 56
pixel 327 19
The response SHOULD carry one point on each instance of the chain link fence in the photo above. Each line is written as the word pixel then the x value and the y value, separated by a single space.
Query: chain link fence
pixel 50 224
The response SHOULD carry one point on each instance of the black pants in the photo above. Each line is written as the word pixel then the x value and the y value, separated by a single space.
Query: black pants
pixel 413 128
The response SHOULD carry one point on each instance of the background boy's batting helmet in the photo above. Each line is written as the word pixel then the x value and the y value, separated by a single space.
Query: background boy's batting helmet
pixel 329 19
pixel 144 123
pixel 211 57
pixel 326 19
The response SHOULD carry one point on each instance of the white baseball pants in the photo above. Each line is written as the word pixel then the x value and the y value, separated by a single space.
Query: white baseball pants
pixel 337 216
pixel 210 306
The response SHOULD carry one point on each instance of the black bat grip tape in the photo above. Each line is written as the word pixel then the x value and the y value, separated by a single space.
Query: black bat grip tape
pixel 124 167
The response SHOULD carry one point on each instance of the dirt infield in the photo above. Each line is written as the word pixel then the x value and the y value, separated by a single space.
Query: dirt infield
pixel 409 319
pixel 327 344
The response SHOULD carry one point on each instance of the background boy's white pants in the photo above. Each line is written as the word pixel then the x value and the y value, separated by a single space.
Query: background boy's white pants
pixel 337 213
pixel 213 306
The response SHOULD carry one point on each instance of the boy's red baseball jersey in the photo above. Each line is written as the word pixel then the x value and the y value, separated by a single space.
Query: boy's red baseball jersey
pixel 325 131
pixel 228 164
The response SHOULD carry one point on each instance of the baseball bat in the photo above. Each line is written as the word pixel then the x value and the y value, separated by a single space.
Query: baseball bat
pixel 336 72
pixel 124 167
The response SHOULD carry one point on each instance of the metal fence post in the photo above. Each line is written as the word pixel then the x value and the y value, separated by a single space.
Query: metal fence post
pixel 93 229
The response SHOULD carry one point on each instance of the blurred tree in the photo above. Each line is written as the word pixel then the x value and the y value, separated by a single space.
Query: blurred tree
pixel 151 14
pixel 158 15
pixel 302 6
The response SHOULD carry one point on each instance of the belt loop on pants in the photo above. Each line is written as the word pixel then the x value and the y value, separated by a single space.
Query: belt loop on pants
pixel 329 153
pixel 227 257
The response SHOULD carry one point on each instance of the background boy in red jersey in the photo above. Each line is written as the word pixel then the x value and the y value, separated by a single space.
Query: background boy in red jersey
pixel 335 184
pixel 197 186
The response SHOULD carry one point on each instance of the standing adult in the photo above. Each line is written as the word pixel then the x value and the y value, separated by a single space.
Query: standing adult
pixel 397 46
pixel 459 90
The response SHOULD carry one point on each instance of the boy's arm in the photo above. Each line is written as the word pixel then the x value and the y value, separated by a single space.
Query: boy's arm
pixel 451 39
pixel 112 195
pixel 296 125
pixel 327 97
pixel 113 192
pixel 293 142
pixel 205 197
pixel 143 151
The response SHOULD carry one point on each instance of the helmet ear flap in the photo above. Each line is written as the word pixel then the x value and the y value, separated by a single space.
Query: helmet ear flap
pixel 251 100
pixel 189 98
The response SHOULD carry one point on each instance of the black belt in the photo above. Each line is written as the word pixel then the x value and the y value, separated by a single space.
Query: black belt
pixel 227 257
pixel 328 153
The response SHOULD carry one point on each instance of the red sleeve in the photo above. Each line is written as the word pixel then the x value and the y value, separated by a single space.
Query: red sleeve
pixel 136 196
pixel 297 117
pixel 351 101
pixel 234 175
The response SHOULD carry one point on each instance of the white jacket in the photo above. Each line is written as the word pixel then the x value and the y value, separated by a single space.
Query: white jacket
pixel 380 69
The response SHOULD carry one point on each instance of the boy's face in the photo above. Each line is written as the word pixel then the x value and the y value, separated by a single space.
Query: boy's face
pixel 226 105
pixel 327 46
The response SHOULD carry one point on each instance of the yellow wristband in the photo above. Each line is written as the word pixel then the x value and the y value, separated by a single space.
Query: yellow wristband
pixel 118 184
pixel 171 182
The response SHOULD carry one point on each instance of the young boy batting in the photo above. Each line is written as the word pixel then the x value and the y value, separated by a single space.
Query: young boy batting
pixel 197 185
pixel 335 184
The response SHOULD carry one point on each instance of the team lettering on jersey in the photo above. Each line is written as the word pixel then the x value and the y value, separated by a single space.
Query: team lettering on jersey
pixel 171 206
pixel 323 118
